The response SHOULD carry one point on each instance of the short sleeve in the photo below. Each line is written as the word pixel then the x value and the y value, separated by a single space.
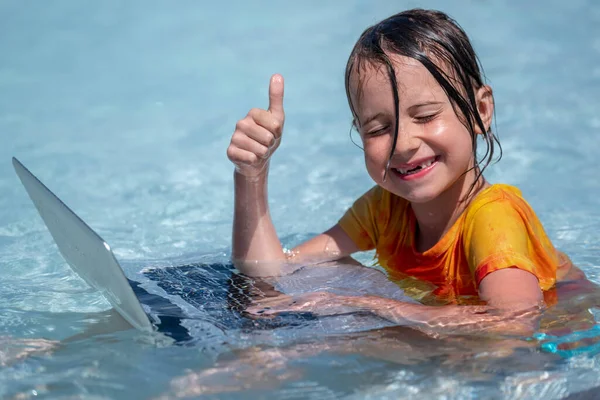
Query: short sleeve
pixel 360 222
pixel 499 235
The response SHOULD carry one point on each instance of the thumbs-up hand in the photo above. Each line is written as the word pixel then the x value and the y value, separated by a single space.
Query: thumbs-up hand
pixel 257 136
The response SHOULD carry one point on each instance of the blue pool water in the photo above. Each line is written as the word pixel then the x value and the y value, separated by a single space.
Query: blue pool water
pixel 125 110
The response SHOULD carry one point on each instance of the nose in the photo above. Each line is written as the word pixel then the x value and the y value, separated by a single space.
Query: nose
pixel 407 143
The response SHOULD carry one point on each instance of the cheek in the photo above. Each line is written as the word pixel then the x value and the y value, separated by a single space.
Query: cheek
pixel 376 149
pixel 375 169
pixel 450 134
pixel 440 129
pixel 376 155
pixel 461 150
pixel 370 161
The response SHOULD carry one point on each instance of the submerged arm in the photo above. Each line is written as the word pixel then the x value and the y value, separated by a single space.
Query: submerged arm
pixel 452 319
pixel 513 296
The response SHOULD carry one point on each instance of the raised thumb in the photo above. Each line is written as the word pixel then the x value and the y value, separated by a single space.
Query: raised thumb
pixel 276 96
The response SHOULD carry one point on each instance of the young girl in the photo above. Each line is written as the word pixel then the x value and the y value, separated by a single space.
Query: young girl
pixel 438 227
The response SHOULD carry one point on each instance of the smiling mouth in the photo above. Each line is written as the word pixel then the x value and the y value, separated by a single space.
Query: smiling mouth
pixel 422 166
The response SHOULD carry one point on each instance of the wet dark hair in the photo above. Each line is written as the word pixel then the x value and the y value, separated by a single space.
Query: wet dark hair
pixel 428 36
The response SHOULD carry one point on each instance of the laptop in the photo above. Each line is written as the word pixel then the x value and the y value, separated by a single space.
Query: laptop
pixel 84 250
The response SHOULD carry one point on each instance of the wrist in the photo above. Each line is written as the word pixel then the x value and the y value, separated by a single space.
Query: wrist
pixel 252 175
pixel 390 309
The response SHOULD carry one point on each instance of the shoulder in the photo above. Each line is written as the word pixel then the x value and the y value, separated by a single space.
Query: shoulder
pixel 498 211
pixel 502 231
pixel 373 211
pixel 498 201
pixel 369 216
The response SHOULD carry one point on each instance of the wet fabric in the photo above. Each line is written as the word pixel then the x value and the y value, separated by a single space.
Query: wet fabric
pixel 499 229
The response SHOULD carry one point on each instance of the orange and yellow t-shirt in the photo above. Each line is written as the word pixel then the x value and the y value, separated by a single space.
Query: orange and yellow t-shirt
pixel 499 229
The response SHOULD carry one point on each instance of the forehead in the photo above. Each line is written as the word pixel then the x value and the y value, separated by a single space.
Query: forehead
pixel 370 84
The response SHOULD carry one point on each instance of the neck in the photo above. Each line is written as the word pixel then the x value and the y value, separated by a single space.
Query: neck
pixel 437 216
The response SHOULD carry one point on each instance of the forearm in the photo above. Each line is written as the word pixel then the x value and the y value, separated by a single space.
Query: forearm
pixel 451 319
pixel 256 248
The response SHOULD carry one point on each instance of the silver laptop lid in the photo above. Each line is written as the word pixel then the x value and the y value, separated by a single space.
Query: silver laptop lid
pixel 84 250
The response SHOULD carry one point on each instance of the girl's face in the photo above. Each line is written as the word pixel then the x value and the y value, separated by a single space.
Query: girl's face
pixel 433 148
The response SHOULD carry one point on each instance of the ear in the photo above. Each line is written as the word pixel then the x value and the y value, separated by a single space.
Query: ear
pixel 485 107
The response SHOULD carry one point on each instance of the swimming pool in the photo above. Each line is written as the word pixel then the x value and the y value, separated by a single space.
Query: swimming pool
pixel 125 111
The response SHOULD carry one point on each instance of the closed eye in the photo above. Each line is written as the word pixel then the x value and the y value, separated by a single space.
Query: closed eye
pixel 377 132
pixel 425 118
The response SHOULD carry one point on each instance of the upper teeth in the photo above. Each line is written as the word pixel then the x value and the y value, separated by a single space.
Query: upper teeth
pixel 422 165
